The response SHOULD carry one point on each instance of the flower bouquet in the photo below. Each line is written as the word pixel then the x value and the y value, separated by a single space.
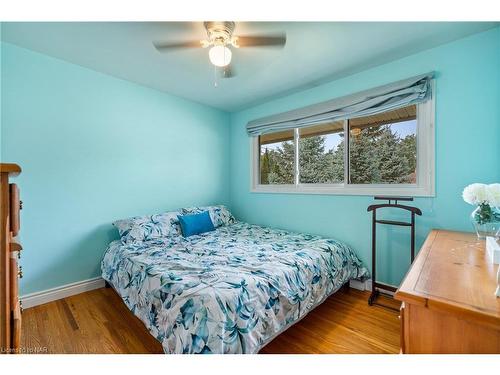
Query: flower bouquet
pixel 486 217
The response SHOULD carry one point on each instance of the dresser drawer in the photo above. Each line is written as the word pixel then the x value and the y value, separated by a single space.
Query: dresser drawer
pixel 14 283
pixel 16 328
pixel 15 305
pixel 15 206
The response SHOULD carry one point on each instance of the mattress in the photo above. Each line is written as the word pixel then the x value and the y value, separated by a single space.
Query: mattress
pixel 231 290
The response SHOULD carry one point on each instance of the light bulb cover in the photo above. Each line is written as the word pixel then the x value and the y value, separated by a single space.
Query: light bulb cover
pixel 220 55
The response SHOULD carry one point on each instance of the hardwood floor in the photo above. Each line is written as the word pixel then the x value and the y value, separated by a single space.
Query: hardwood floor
pixel 99 322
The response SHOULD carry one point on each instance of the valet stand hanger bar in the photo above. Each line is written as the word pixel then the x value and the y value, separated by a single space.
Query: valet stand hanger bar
pixel 376 286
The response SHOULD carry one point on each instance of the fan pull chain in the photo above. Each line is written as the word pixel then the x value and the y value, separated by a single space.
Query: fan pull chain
pixel 215 76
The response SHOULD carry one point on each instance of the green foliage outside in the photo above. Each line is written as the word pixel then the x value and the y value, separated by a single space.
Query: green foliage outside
pixel 377 155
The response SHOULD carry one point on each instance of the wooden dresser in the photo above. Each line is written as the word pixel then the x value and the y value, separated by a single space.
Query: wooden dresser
pixel 449 303
pixel 10 251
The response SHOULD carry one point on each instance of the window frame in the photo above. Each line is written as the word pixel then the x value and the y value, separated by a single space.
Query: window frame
pixel 425 186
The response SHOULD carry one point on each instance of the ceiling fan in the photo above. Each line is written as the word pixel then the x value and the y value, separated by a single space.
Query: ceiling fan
pixel 220 39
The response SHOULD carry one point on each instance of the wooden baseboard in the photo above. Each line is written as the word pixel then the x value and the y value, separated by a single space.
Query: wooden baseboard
pixel 49 295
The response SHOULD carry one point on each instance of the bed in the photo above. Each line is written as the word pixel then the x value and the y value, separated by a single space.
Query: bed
pixel 231 290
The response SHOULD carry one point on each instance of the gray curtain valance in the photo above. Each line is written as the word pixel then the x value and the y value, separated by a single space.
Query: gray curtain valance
pixel 380 99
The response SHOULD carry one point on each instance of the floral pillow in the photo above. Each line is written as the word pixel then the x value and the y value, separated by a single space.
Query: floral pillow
pixel 145 228
pixel 220 215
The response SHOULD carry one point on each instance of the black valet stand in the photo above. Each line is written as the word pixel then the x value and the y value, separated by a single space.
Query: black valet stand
pixel 373 208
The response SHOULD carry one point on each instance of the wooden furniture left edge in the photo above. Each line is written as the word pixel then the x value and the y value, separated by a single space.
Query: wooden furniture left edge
pixel 10 309
pixel 12 169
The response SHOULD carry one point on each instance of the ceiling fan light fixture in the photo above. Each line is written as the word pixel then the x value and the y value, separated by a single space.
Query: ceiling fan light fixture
pixel 220 55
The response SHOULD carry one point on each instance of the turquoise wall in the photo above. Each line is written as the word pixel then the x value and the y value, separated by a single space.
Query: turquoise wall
pixel 94 149
pixel 467 150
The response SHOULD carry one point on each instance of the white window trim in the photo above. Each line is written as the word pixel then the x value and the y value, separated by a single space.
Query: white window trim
pixel 425 186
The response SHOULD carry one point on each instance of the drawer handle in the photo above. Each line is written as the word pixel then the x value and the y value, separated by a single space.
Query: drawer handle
pixel 20 272
pixel 21 306
pixel 20 205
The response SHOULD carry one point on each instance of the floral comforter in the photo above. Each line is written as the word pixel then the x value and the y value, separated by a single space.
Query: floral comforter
pixel 227 291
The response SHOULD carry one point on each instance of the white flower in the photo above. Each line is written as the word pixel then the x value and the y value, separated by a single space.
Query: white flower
pixel 493 191
pixel 475 194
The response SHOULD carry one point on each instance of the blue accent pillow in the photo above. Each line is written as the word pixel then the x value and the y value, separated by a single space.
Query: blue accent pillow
pixel 196 223
pixel 220 215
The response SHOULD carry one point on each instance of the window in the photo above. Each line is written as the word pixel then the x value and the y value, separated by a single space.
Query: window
pixel 321 159
pixel 388 153
pixel 277 158
pixel 383 148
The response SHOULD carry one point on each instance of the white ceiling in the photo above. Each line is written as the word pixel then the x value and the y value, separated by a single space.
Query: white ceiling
pixel 315 53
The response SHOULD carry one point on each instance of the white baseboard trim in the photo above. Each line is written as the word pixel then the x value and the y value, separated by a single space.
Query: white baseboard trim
pixel 361 285
pixel 366 285
pixel 49 295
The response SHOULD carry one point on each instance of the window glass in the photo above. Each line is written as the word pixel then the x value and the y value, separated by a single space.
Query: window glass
pixel 383 148
pixel 277 158
pixel 321 153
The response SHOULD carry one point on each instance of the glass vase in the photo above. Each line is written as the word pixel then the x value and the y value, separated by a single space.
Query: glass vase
pixel 486 221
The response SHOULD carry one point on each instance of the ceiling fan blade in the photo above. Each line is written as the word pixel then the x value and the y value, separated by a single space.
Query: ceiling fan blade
pixel 278 40
pixel 165 46
pixel 227 72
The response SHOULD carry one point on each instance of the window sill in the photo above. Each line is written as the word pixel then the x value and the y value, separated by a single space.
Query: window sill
pixel 370 190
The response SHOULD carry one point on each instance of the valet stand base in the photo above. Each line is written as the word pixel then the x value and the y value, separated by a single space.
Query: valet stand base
pixel 379 288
